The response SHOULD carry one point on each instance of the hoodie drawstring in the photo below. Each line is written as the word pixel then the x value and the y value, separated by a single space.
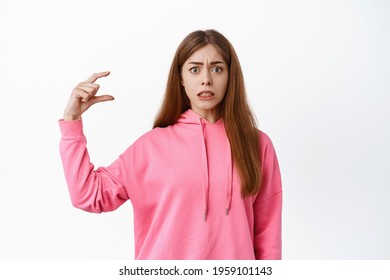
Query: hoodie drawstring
pixel 205 174
pixel 229 179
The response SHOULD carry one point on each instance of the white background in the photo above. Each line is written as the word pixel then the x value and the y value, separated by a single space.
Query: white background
pixel 317 76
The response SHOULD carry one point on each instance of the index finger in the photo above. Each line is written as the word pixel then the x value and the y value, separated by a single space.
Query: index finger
pixel 96 76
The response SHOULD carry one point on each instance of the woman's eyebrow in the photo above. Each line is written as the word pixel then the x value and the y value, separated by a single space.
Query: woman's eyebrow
pixel 201 63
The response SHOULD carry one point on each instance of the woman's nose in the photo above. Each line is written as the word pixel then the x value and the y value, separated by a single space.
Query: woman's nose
pixel 206 79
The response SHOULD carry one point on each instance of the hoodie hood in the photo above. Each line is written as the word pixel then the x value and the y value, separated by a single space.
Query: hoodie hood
pixel 189 117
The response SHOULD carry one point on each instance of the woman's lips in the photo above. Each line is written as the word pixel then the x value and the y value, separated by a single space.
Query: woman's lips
pixel 206 94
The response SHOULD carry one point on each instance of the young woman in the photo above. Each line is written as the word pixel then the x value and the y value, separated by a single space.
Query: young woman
pixel 204 182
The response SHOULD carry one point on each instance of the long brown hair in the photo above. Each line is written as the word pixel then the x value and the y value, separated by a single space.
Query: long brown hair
pixel 240 123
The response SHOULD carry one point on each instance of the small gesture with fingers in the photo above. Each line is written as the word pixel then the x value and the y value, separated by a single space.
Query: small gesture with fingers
pixel 84 96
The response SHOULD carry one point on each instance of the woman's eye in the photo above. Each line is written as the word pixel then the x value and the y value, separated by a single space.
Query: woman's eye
pixel 194 70
pixel 216 70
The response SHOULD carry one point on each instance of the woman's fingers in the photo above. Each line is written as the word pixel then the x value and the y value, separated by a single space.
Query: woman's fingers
pixel 96 76
pixel 90 95
pixel 101 98
pixel 90 89
pixel 84 96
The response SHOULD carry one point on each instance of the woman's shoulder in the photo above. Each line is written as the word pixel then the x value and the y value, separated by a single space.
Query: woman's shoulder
pixel 264 138
pixel 156 134
pixel 267 148
pixel 147 143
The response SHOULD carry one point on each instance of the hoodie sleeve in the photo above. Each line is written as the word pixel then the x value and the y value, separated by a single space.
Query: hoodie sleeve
pixel 97 191
pixel 268 206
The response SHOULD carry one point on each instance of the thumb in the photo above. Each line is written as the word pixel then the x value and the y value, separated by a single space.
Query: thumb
pixel 102 98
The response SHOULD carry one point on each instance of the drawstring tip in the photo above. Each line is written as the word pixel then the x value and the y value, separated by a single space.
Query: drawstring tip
pixel 227 211
pixel 204 216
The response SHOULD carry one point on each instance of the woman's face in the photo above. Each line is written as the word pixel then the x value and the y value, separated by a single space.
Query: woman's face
pixel 205 77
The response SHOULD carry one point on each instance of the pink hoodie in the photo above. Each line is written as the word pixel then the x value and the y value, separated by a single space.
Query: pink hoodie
pixel 184 189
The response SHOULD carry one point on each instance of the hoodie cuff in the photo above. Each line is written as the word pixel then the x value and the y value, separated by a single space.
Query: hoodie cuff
pixel 71 129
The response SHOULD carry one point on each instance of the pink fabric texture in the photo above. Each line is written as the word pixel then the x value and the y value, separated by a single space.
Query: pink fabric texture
pixel 184 189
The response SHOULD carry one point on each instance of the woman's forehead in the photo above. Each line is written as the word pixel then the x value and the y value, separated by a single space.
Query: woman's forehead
pixel 207 53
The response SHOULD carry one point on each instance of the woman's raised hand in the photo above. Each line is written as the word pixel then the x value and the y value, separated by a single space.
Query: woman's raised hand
pixel 84 96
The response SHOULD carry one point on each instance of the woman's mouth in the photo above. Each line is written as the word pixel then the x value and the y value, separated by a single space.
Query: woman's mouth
pixel 206 94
